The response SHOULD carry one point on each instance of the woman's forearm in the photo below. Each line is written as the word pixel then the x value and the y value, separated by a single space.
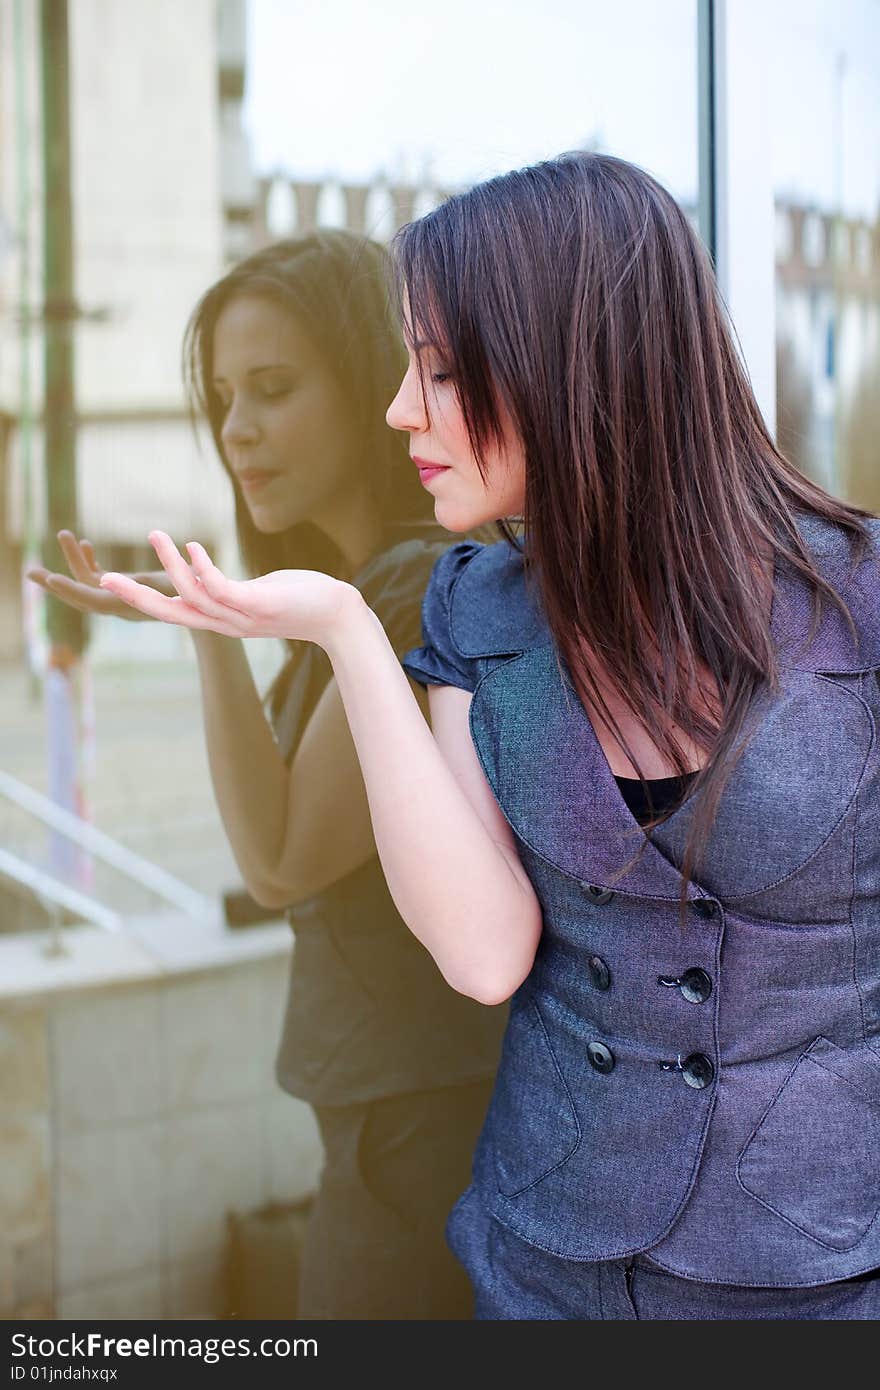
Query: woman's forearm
pixel 250 778
pixel 453 885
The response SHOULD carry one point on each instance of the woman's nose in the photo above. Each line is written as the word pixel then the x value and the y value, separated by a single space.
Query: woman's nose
pixel 238 428
pixel 407 410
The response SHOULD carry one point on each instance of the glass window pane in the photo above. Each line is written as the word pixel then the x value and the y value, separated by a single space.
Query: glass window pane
pixel 439 99
pixel 825 137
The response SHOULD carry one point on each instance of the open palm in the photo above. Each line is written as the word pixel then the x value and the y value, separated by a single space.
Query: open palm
pixel 82 587
pixel 302 604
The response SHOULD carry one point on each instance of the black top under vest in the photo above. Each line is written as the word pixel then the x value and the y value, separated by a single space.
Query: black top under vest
pixel 665 792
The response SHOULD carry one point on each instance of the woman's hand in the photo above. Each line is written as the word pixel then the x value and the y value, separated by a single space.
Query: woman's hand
pixel 300 604
pixel 84 590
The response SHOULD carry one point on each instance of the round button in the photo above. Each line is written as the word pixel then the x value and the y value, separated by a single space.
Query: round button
pixel 697 1070
pixel 597 895
pixel 601 1057
pixel 695 985
pixel 599 972
pixel 704 907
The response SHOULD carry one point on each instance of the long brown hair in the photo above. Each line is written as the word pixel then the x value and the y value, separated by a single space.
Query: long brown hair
pixel 577 293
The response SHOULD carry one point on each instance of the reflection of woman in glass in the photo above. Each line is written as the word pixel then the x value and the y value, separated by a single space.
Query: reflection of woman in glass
pixel 647 808
pixel 293 358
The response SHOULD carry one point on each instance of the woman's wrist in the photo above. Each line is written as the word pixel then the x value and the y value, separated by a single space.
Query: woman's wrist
pixel 353 617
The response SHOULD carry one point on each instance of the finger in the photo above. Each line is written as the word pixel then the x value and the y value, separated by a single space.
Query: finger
pixel 91 559
pixel 86 597
pixel 76 562
pixel 156 579
pixel 38 575
pixel 227 592
pixel 184 579
pixel 167 610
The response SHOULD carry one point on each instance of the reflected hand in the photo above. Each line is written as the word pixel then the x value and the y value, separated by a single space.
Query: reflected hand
pixel 84 590
pixel 301 604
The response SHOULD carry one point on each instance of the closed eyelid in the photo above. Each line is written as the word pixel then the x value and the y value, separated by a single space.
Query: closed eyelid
pixel 257 374
pixel 262 386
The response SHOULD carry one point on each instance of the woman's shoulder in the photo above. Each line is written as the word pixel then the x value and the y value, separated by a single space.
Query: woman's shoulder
pixel 834 546
pixel 476 605
pixel 852 569
pixel 495 610
pixel 486 598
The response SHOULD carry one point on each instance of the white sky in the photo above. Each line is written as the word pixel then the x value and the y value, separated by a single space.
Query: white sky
pixel 466 88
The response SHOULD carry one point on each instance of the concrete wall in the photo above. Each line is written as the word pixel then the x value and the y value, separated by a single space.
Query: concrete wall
pixel 138 1107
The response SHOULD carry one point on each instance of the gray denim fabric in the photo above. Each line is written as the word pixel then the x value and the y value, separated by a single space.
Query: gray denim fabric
pixel 513 1280
pixel 769 1174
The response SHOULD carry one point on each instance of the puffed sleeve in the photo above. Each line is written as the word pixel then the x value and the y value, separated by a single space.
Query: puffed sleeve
pixel 437 661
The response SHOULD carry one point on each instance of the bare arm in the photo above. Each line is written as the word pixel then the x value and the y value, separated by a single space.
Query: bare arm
pixel 448 856
pixel 293 830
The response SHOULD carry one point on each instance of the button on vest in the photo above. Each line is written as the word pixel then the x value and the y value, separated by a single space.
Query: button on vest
pixel 599 896
pixel 601 1057
pixel 694 984
pixel 599 972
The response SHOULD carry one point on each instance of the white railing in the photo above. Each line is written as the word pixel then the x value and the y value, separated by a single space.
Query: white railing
pixel 134 867
pixel 52 893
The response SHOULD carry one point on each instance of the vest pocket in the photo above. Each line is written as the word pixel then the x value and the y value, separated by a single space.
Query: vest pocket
pixel 532 1120
pixel 813 1157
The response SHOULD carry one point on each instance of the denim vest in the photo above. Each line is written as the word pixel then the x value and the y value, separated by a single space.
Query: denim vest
pixel 710 1094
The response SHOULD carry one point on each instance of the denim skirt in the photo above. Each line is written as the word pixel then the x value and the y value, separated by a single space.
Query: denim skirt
pixel 512 1279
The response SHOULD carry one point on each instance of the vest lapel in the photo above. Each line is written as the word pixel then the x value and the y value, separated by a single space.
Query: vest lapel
pixel 553 783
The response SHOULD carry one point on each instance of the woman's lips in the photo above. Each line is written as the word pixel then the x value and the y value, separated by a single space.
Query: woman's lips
pixel 252 479
pixel 427 471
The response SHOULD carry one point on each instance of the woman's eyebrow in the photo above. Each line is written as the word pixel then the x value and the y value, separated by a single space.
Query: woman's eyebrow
pixel 417 344
pixel 420 344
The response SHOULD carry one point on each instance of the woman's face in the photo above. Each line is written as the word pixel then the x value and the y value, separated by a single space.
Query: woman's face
pixel 288 431
pixel 437 433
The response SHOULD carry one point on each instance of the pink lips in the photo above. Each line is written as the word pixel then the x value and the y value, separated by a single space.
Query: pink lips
pixel 427 470
pixel 252 479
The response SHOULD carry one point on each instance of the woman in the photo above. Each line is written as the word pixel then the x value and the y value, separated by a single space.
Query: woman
pixel 646 810
pixel 292 357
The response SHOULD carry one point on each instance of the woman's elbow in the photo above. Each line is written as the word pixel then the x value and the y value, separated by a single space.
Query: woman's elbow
pixel 498 991
pixel 267 895
pixel 491 986
pixel 485 990
pixel 491 996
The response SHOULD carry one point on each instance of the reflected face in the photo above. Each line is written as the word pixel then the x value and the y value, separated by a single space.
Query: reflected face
pixel 438 436
pixel 288 431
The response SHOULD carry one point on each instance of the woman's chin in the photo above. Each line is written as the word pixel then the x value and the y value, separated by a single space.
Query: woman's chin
pixel 453 518
pixel 269 523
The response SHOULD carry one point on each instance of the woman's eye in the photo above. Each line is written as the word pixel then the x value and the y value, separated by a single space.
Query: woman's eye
pixel 273 393
pixel 438 378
